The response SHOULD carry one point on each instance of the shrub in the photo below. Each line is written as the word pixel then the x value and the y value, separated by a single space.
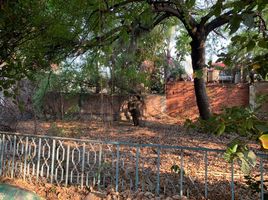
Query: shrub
pixel 235 120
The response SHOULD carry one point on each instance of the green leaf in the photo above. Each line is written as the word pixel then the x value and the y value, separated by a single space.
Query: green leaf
pixel 234 148
pixel 250 45
pixel 263 43
pixel 236 39
pixel 7 93
pixel 248 20
pixel 262 128
pixel 249 124
pixel 217 10
pixel 190 3
pixel 220 129
pixel 248 161
pixel 251 158
pixel 175 169
pixel 245 167
pixel 235 24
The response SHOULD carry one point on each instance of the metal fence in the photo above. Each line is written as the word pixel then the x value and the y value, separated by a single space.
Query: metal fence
pixel 198 173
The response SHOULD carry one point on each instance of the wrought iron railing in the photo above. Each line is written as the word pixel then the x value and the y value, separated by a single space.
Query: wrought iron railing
pixel 161 169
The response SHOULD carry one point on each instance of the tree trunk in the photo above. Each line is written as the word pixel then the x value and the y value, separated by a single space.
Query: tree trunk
pixel 198 62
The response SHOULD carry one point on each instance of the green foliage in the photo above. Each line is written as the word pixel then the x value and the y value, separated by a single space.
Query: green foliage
pixel 260 100
pixel 177 72
pixel 249 47
pixel 176 169
pixel 235 120
pixel 38 97
pixel 183 47
pixel 238 150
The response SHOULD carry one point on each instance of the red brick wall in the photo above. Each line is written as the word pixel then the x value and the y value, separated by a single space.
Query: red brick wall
pixel 181 102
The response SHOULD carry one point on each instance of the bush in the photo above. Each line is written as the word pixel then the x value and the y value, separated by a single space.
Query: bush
pixel 235 120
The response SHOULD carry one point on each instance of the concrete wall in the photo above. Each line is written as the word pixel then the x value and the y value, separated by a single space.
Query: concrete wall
pixel 101 105
pixel 257 89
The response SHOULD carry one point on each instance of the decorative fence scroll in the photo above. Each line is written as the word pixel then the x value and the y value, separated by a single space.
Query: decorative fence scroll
pixel 189 171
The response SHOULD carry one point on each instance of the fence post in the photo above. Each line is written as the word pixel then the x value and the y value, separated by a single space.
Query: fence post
pixel 38 158
pixel 158 172
pixel 100 167
pixel 181 174
pixel 117 168
pixel 232 180
pixel 25 158
pixel 67 165
pixel 13 156
pixel 83 164
pixel 206 174
pixel 261 170
pixel 52 161
pixel 137 168
pixel 2 153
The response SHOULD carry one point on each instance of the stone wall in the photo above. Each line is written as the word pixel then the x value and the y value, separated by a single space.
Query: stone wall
pixel 181 100
pixel 256 90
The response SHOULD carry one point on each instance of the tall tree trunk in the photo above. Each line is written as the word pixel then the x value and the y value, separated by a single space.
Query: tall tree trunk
pixel 198 62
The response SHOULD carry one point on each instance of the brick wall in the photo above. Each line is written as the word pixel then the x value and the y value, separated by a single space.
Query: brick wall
pixel 181 102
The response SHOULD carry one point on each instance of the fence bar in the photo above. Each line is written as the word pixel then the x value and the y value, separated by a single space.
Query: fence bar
pixel 13 156
pixel 2 153
pixel 13 146
pixel 137 168
pixel 83 164
pixel 100 167
pixel 181 175
pixel 261 171
pixel 52 161
pixel 123 143
pixel 38 158
pixel 158 172
pixel 67 165
pixel 206 174
pixel 25 158
pixel 127 143
pixel 232 180
pixel 117 168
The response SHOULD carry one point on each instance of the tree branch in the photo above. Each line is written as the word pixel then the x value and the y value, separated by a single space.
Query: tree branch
pixel 176 9
pixel 226 17
pixel 219 21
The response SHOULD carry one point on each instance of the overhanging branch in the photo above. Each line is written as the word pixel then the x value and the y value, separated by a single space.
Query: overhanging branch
pixel 176 9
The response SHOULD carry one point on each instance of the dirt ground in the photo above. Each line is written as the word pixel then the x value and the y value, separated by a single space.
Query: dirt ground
pixel 156 131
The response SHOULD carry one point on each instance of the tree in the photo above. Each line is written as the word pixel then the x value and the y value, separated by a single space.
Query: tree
pixel 249 48
pixel 78 26
pixel 198 23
